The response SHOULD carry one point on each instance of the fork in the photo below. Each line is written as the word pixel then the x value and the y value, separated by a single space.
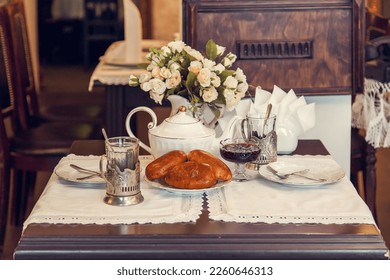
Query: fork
pixel 84 170
pixel 301 173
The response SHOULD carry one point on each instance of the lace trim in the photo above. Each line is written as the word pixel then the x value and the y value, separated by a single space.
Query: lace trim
pixel 371 112
pixel 219 209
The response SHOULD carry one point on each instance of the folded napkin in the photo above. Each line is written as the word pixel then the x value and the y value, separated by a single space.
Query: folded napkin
pixel 133 32
pixel 260 200
pixel 64 202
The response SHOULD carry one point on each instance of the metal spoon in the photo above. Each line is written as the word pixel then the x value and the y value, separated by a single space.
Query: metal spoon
pixel 84 170
pixel 106 139
pixel 267 114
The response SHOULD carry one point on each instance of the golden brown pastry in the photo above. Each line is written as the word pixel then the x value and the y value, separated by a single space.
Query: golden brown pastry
pixel 221 170
pixel 191 175
pixel 159 167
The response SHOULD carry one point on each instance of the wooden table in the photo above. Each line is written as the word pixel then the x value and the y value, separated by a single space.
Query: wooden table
pixel 205 239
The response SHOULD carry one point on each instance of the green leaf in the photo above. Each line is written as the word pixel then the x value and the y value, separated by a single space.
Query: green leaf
pixel 225 74
pixel 191 77
pixel 170 91
pixel 211 50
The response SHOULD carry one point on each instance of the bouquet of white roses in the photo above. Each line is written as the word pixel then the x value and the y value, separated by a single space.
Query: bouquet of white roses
pixel 179 69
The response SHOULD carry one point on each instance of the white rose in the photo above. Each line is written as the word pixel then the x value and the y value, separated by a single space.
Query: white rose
pixel 242 87
pixel 176 46
pixel 195 67
pixel 143 78
pixel 146 86
pixel 220 50
pixel 165 73
pixel 194 53
pixel 229 59
pixel 204 77
pixel 165 51
pixel 215 80
pixel 173 66
pixel 228 94
pixel 207 63
pixel 157 97
pixel 230 82
pixel 157 86
pixel 151 66
pixel 231 100
pixel 219 68
pixel 240 95
pixel 232 103
pixel 239 75
pixel 174 80
pixel 209 94
pixel 133 81
pixel 156 73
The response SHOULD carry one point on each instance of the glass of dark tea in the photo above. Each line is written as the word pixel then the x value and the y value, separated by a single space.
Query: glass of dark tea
pixel 240 151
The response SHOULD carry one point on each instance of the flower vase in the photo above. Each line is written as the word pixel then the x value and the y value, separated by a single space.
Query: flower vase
pixel 207 116
pixel 202 113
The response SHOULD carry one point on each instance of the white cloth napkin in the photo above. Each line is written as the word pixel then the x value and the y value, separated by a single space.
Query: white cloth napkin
pixel 133 32
pixel 260 200
pixel 294 116
pixel 66 202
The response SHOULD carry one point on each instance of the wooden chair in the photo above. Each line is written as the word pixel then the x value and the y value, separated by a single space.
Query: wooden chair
pixel 92 113
pixel 24 149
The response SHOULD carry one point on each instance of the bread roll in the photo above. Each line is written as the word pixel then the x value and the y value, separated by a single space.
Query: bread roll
pixel 191 175
pixel 159 167
pixel 220 169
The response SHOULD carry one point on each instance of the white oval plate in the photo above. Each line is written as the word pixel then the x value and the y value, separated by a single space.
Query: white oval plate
pixel 164 186
pixel 321 167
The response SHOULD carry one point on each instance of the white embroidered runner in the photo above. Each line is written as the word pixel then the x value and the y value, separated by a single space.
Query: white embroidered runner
pixel 66 202
pixel 260 200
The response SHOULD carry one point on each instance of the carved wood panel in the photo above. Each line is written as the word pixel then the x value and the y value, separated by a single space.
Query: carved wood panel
pixel 309 46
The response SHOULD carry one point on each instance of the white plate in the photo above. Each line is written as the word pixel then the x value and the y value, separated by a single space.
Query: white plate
pixel 65 172
pixel 164 186
pixel 321 167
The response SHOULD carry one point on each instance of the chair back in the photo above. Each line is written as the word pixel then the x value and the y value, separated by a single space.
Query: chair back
pixel 7 112
pixel 11 119
pixel 22 53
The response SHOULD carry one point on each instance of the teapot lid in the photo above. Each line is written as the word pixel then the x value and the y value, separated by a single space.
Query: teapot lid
pixel 182 125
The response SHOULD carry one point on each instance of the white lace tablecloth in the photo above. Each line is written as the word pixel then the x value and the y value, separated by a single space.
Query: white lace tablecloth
pixel 66 202
pixel 371 112
pixel 260 200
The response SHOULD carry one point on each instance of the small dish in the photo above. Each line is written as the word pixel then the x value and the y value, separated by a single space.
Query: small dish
pixel 320 167
pixel 164 186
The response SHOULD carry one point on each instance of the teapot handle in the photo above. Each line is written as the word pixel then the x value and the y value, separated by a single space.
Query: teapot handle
pixel 150 125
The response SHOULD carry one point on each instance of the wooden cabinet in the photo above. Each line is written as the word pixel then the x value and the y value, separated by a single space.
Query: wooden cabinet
pixel 314 47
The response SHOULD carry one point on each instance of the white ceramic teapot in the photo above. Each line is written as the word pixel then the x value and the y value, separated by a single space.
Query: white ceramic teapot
pixel 178 132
